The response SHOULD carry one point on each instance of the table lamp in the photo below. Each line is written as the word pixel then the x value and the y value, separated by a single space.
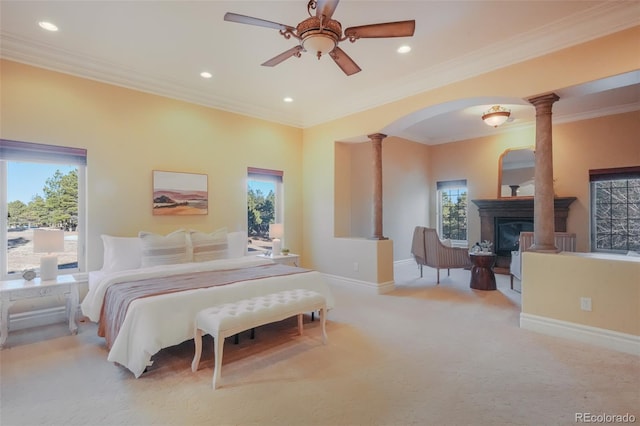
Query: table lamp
pixel 275 233
pixel 50 242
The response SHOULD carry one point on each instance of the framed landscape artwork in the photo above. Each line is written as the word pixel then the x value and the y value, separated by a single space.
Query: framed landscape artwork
pixel 179 193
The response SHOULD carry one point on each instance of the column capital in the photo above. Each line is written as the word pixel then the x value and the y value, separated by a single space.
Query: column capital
pixel 377 136
pixel 541 100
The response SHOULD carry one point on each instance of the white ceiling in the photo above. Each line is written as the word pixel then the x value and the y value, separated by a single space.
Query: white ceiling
pixel 162 46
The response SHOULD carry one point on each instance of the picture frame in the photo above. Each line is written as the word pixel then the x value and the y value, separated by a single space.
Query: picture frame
pixel 179 193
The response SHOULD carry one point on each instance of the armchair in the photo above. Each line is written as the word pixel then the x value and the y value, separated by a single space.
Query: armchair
pixel 428 250
pixel 564 241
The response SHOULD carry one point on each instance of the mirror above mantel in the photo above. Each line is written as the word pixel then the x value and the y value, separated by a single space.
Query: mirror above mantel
pixel 516 169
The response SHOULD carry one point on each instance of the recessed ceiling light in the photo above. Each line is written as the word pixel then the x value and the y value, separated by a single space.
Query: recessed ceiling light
pixel 288 99
pixel 404 49
pixel 206 74
pixel 47 26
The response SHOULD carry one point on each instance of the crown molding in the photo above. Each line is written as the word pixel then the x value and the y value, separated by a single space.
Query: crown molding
pixel 598 21
pixel 47 56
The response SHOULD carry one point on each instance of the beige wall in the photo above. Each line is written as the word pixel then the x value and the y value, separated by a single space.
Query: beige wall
pixel 411 170
pixel 590 61
pixel 128 134
pixel 603 142
pixel 553 284
pixel 405 190
pixel 591 144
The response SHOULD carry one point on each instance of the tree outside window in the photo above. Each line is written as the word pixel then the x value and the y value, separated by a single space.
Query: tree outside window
pixel 452 210
pixel 41 186
pixel 264 206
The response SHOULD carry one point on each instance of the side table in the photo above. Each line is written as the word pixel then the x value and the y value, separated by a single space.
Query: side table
pixel 482 276
pixel 14 290
pixel 289 259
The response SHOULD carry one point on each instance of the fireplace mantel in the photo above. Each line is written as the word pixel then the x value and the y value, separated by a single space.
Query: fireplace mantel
pixel 517 207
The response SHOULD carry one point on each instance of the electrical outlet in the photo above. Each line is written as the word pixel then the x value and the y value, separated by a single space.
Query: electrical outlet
pixel 585 303
pixel 356 267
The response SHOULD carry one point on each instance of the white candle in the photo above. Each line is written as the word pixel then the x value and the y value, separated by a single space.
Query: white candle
pixel 277 247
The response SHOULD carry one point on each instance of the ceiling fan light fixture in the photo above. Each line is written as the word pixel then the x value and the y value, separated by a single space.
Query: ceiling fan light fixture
pixel 496 115
pixel 319 43
pixel 317 36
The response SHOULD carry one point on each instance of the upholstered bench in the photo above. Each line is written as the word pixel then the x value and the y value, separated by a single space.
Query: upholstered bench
pixel 232 318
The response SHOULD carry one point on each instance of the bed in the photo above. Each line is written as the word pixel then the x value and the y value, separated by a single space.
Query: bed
pixel 152 322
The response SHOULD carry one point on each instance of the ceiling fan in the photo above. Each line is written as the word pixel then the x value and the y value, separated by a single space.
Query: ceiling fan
pixel 321 34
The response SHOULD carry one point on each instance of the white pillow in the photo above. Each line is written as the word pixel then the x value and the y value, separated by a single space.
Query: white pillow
pixel 237 242
pixel 209 246
pixel 447 242
pixel 164 249
pixel 121 253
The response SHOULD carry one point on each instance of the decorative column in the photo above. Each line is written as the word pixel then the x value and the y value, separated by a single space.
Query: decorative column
pixel 543 200
pixel 376 140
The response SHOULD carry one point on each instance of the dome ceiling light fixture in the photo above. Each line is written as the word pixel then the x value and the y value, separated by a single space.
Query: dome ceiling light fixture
pixel 496 115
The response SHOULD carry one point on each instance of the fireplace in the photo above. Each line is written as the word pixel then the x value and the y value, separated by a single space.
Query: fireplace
pixel 507 232
pixel 518 211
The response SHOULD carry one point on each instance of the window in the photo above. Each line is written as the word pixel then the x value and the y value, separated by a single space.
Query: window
pixel 264 206
pixel 452 210
pixel 41 186
pixel 615 209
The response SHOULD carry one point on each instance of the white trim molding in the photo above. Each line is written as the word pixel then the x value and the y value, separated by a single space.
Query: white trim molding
pixel 621 342
pixel 377 288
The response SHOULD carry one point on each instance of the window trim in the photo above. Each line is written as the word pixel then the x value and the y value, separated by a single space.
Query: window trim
pixel 446 185
pixel 602 175
pixel 11 150
pixel 272 176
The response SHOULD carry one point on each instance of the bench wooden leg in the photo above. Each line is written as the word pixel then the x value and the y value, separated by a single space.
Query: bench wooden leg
pixel 218 348
pixel 323 320
pixel 197 338
pixel 300 326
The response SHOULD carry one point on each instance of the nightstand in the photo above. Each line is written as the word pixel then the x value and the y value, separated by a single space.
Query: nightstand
pixel 290 259
pixel 14 290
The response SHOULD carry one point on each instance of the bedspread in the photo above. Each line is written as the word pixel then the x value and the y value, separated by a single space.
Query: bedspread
pixel 159 321
pixel 119 296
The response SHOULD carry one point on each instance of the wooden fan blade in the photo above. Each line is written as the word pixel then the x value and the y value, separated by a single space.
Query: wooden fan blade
pixel 387 29
pixel 343 60
pixel 326 8
pixel 294 51
pixel 242 19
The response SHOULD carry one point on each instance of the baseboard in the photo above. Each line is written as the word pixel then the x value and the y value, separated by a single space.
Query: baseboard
pixel 621 342
pixel 410 260
pixel 376 288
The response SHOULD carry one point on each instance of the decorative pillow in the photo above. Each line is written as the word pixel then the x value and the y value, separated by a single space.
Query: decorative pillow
pixel 163 249
pixel 447 242
pixel 121 253
pixel 237 242
pixel 209 246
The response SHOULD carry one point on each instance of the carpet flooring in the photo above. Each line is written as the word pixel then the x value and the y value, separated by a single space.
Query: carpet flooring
pixel 424 354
